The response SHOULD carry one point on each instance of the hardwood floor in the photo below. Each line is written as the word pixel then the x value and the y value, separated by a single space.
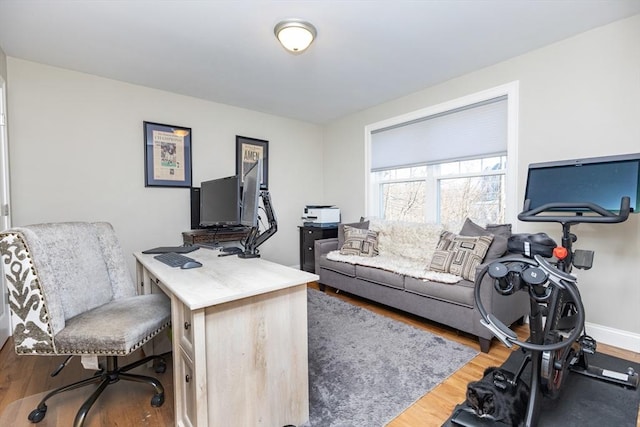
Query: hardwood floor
pixel 23 379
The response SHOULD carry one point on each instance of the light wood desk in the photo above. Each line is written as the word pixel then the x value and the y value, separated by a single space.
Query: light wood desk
pixel 239 339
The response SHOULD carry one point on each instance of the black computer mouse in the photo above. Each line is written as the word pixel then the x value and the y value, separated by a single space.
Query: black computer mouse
pixel 191 264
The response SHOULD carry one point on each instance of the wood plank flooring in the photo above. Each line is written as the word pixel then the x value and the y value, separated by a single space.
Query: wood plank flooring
pixel 125 404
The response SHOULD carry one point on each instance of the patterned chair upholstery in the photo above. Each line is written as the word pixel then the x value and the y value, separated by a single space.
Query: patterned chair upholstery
pixel 70 293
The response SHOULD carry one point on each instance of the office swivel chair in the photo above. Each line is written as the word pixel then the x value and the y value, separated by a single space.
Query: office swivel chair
pixel 70 293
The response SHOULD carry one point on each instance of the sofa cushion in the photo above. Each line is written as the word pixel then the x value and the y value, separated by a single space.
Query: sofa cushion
pixel 337 266
pixel 359 242
pixel 399 265
pixel 460 293
pixel 382 277
pixel 364 225
pixel 500 233
pixel 460 255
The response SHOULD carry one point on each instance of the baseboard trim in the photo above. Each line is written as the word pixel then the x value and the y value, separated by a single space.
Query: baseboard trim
pixel 614 337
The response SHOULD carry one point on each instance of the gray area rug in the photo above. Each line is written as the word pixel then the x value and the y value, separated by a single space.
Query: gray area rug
pixel 365 369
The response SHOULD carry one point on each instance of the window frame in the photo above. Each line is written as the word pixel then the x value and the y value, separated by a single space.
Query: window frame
pixel 510 90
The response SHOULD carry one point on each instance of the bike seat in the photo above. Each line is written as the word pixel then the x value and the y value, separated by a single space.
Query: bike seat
pixel 532 244
pixel 542 239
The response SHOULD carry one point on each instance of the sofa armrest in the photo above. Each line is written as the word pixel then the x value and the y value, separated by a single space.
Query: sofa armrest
pixel 323 247
pixel 507 308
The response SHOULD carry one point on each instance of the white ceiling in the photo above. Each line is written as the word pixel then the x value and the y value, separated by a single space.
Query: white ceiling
pixel 366 52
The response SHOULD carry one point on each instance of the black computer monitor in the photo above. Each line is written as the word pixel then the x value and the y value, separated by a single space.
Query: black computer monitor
pixel 220 202
pixel 251 195
pixel 599 180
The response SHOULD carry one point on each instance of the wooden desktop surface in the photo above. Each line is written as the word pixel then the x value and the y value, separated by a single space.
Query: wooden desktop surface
pixel 223 279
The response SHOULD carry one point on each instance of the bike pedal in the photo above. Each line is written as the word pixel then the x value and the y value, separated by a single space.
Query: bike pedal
pixel 587 344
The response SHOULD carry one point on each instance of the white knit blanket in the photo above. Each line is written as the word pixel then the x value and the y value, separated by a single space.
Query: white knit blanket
pixel 405 266
pixel 404 248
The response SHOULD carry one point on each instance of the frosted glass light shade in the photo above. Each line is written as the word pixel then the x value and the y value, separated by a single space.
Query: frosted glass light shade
pixel 295 35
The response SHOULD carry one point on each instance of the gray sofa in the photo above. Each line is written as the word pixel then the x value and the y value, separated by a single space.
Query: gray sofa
pixel 451 304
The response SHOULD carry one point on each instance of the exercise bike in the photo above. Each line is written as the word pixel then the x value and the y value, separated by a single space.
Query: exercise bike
pixel 557 343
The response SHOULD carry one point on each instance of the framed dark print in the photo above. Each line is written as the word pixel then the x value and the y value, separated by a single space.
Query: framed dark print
pixel 248 151
pixel 167 155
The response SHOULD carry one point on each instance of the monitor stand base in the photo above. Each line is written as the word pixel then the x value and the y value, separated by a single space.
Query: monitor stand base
pixel 248 255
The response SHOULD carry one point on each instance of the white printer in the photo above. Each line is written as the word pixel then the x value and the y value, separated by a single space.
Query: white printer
pixel 321 215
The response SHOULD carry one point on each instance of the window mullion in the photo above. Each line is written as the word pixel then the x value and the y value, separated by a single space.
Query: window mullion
pixel 431 200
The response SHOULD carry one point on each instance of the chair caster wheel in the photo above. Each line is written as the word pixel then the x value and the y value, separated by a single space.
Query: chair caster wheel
pixel 157 400
pixel 38 414
pixel 160 367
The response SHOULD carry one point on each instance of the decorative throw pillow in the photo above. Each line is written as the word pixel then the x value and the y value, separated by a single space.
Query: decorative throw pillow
pixel 460 255
pixel 362 224
pixel 500 233
pixel 503 230
pixel 359 242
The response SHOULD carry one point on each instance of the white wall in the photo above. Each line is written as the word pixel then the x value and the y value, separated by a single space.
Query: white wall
pixel 77 153
pixel 578 98
pixel 3 64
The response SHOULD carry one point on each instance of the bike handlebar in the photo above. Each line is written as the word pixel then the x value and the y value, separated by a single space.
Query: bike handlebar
pixel 605 216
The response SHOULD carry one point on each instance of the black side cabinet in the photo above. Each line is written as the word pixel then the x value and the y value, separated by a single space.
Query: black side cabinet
pixel 308 236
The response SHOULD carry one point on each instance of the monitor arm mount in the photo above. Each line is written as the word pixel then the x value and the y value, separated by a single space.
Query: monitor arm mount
pixel 255 238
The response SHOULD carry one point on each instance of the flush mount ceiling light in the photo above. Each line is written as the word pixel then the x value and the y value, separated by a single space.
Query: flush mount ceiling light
pixel 295 35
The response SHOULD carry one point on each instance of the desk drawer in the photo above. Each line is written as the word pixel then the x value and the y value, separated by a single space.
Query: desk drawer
pixel 147 282
pixel 185 382
pixel 183 328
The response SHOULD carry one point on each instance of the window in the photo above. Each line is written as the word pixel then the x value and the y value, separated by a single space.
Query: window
pixel 445 192
pixel 403 200
pixel 445 163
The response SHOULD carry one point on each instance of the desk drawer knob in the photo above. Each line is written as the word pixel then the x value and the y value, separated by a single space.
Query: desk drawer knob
pixel 187 378
pixel 187 325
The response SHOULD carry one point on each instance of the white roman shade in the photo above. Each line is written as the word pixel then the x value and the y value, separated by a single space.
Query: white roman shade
pixel 472 131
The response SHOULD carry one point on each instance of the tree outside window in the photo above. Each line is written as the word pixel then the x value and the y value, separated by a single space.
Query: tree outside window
pixel 448 191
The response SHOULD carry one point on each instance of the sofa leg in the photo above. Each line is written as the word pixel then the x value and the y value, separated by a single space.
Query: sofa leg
pixel 485 344
pixel 520 321
pixel 321 286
